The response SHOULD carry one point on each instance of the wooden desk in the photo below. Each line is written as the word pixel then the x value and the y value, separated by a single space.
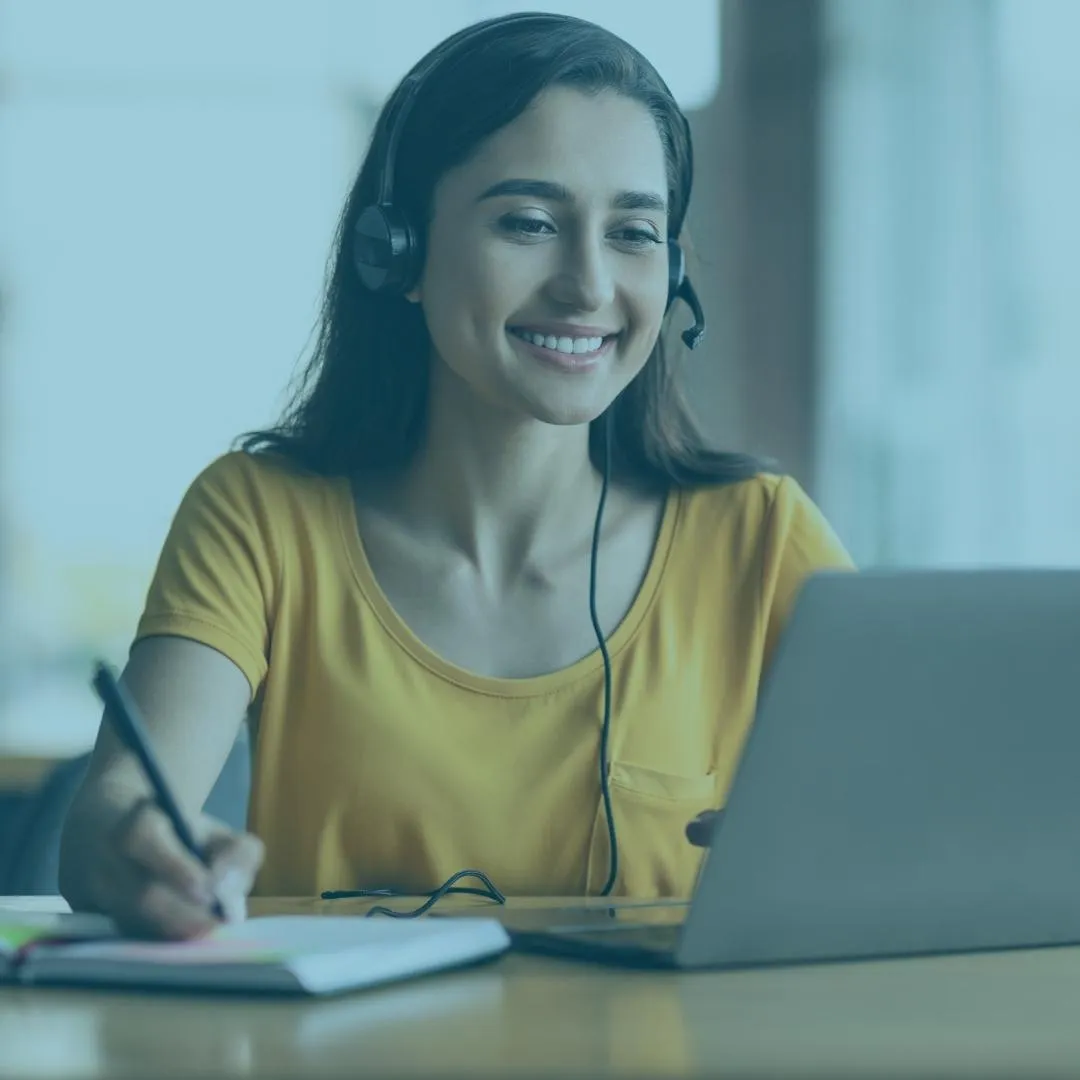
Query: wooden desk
pixel 1009 1014
pixel 23 773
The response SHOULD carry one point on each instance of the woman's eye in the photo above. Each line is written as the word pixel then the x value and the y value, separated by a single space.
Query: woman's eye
pixel 533 228
pixel 638 237
pixel 527 226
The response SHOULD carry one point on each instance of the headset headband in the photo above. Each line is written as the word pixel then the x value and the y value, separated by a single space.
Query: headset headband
pixel 386 247
pixel 411 85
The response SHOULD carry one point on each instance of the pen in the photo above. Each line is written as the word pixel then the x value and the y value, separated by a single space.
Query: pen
pixel 124 713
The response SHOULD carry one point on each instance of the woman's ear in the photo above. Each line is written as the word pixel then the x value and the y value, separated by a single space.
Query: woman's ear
pixel 413 295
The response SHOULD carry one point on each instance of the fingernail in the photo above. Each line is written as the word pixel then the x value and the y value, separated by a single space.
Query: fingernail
pixel 235 907
pixel 231 880
pixel 231 891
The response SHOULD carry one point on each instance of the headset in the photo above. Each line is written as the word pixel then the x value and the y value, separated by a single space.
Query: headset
pixel 387 255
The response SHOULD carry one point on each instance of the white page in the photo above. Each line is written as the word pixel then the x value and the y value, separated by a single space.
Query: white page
pixel 274 938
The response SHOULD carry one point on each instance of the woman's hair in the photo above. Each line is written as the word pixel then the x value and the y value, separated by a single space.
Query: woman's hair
pixel 361 403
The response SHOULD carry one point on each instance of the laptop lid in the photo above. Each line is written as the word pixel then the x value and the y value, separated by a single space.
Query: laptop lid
pixel 912 780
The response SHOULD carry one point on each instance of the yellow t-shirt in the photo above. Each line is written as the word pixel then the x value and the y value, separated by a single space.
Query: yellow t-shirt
pixel 378 763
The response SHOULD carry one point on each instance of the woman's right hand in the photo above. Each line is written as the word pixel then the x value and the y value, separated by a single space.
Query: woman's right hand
pixel 135 869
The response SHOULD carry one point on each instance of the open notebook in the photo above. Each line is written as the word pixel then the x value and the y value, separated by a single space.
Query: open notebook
pixel 298 954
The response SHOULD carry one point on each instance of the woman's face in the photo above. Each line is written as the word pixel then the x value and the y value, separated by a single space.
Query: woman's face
pixel 545 280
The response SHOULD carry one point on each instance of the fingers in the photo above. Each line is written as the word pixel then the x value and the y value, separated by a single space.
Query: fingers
pixel 699 831
pixel 143 906
pixel 152 909
pixel 234 859
pixel 145 837
pixel 154 887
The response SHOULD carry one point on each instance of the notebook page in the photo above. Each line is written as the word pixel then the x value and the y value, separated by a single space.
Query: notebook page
pixel 270 939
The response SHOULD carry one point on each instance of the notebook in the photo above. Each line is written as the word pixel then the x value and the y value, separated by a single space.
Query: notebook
pixel 291 954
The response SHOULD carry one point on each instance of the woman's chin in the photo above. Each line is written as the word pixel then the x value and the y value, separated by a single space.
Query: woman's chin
pixel 565 410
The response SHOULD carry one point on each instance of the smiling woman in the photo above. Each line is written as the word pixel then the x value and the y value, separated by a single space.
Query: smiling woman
pixel 567 262
pixel 571 346
pixel 489 446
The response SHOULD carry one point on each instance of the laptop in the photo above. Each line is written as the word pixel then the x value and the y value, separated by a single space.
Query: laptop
pixel 911 785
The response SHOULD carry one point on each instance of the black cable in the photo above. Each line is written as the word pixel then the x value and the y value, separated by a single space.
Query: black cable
pixel 613 847
pixel 491 891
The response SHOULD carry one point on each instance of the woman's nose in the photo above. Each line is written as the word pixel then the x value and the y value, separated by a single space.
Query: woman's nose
pixel 585 281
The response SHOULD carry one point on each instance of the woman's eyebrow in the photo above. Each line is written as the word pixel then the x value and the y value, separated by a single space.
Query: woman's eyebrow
pixel 547 189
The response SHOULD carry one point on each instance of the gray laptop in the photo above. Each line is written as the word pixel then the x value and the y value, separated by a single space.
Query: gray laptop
pixel 911 785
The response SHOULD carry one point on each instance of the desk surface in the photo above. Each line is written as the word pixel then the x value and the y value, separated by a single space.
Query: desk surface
pixel 1006 1014
pixel 24 772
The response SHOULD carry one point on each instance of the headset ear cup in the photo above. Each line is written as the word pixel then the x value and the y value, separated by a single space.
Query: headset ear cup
pixel 676 270
pixel 385 249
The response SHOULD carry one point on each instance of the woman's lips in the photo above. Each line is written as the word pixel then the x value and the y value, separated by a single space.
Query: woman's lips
pixel 565 361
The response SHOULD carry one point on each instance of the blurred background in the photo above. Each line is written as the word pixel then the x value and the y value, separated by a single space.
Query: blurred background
pixel 884 213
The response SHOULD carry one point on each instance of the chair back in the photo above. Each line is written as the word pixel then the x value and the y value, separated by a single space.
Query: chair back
pixel 34 863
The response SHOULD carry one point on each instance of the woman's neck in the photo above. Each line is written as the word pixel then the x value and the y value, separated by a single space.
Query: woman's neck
pixel 504 491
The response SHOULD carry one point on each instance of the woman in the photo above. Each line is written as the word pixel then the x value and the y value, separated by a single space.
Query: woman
pixel 396 583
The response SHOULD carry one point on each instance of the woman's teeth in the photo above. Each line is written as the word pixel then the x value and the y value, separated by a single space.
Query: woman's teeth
pixel 570 346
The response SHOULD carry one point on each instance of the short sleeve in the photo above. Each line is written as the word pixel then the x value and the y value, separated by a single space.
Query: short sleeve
pixel 798 542
pixel 215 580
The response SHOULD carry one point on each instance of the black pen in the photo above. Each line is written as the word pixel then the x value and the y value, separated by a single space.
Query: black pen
pixel 124 713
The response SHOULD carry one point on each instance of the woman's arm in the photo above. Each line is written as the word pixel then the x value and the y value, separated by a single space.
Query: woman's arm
pixel 116 858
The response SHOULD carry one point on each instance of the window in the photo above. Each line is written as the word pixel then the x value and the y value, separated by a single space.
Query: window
pixel 167 200
pixel 172 176
pixel 950 339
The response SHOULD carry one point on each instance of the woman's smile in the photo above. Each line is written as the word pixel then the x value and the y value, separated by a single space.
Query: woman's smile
pixel 575 354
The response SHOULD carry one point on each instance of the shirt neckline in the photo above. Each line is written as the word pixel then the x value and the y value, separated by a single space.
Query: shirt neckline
pixel 529 686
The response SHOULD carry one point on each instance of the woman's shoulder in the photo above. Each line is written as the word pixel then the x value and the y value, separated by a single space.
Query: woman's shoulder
pixel 767 510
pixel 260 506
pixel 755 496
pixel 263 477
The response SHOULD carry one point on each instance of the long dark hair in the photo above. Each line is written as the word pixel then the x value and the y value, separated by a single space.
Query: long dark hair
pixel 361 402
